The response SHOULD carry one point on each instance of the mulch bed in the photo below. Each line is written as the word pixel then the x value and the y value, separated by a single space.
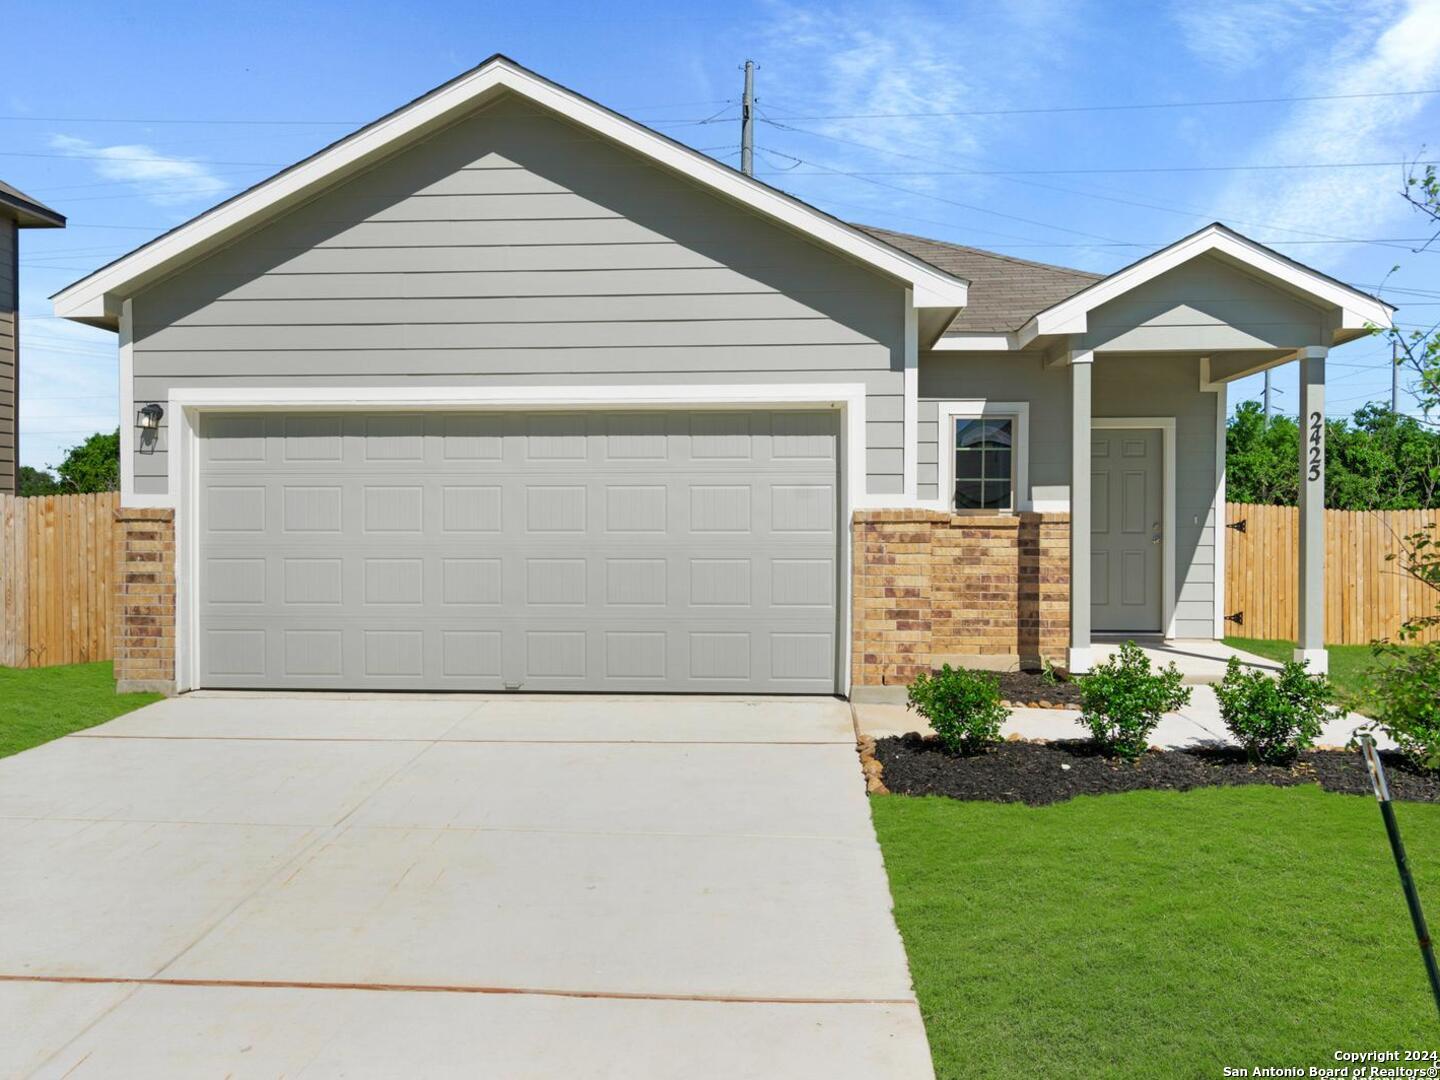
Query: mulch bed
pixel 1040 773
pixel 1030 689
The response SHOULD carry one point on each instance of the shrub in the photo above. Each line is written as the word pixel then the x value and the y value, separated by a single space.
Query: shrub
pixel 1403 696
pixel 962 706
pixel 1274 719
pixel 1122 700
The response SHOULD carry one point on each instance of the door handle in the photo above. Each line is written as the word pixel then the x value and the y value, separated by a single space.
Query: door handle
pixel 1155 533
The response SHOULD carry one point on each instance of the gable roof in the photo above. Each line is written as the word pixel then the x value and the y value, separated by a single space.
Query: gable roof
pixel 1025 300
pixel 96 298
pixel 1004 291
pixel 26 212
pixel 1357 310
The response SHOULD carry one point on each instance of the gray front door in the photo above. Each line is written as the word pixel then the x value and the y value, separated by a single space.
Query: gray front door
pixel 665 551
pixel 1126 542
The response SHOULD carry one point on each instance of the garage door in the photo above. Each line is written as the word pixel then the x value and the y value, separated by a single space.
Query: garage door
pixel 664 551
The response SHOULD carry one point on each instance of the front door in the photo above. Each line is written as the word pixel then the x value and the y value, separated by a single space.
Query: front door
pixel 1126 542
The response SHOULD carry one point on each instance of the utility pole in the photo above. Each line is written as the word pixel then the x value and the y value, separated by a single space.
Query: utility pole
pixel 1395 377
pixel 747 122
pixel 1268 398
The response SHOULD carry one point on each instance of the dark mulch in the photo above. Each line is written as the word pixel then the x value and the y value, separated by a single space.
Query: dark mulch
pixel 1031 688
pixel 1041 773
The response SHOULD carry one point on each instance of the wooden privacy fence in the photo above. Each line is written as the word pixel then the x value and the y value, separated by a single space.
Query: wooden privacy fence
pixel 57 567
pixel 1365 596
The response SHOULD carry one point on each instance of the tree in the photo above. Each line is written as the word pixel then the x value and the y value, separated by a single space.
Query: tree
pixel 1419 349
pixel 37 482
pixel 94 465
pixel 1381 461
pixel 1376 460
pixel 1262 461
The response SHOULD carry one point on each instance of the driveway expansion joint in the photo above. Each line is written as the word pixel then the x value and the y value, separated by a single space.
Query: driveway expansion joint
pixel 441 988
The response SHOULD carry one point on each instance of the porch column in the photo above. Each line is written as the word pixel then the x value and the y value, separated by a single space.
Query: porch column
pixel 1080 363
pixel 1310 644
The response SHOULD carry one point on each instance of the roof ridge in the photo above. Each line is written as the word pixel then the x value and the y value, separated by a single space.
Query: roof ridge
pixel 873 229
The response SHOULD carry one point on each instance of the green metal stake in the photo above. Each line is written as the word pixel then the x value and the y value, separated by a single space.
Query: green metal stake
pixel 1392 829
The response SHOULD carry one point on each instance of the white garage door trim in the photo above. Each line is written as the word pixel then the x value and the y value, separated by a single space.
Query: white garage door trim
pixel 186 404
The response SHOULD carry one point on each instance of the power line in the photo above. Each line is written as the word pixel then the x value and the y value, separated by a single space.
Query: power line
pixel 1276 167
pixel 1126 107
pixel 963 205
pixel 245 122
pixel 1182 211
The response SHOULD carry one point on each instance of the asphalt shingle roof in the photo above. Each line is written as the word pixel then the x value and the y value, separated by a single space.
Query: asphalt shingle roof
pixel 15 204
pixel 1004 291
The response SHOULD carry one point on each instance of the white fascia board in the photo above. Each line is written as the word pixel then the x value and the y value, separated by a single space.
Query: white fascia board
pixel 976 343
pixel 1071 316
pixel 87 299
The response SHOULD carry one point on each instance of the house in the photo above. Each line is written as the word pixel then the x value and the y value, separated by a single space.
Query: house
pixel 17 211
pixel 507 391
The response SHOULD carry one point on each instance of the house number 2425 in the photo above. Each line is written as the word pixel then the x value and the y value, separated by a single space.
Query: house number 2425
pixel 1317 444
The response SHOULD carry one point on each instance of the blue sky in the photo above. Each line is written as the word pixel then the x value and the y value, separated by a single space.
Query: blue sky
pixel 116 122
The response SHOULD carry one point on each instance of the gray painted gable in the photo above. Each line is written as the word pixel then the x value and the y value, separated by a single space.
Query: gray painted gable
pixel 515 248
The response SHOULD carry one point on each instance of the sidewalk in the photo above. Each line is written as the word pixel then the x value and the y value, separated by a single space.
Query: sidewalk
pixel 1197 724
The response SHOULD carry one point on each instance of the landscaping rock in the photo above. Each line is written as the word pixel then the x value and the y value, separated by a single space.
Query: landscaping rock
pixel 1031 690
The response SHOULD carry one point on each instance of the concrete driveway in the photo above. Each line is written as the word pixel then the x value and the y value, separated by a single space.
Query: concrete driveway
pixel 260 885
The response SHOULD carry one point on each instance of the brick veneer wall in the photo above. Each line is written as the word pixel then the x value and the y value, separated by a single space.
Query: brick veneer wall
pixel 933 588
pixel 145 599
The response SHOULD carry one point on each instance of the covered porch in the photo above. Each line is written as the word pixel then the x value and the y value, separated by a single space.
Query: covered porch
pixel 1219 307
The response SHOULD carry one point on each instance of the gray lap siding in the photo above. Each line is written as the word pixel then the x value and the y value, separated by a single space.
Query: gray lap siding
pixel 1124 386
pixel 512 249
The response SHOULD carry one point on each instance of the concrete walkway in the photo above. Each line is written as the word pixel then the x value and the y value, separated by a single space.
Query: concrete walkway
pixel 1198 724
pixel 232 885
pixel 1200 661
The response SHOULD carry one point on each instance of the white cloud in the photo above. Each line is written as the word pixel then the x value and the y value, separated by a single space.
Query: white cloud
pixel 1403 53
pixel 161 178
pixel 848 59
pixel 1242 34
pixel 843 61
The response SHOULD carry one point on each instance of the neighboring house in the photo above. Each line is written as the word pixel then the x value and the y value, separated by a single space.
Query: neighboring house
pixel 507 391
pixel 17 211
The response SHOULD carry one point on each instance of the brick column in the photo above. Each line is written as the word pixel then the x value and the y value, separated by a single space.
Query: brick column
pixel 144 618
pixel 890 630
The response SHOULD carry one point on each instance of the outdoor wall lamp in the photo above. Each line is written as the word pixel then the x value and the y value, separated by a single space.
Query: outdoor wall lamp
pixel 148 418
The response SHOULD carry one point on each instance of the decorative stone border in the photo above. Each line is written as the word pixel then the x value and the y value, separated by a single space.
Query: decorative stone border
pixel 870 766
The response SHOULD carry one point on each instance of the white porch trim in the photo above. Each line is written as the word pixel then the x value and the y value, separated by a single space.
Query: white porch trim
pixel 1357 310
pixel 187 404
pixel 1310 635
pixel 1222 534
pixel 910 452
pixel 1166 425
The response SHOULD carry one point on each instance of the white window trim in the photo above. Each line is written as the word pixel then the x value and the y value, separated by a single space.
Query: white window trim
pixel 983 409
pixel 187 404
pixel 1166 426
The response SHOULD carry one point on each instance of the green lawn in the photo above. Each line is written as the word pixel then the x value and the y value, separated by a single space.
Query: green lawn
pixel 1347 662
pixel 40 704
pixel 1159 933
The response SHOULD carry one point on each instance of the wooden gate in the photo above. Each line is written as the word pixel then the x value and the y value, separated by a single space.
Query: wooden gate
pixel 1365 596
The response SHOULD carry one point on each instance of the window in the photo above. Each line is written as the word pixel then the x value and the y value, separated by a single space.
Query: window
pixel 984 464
pixel 983 456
